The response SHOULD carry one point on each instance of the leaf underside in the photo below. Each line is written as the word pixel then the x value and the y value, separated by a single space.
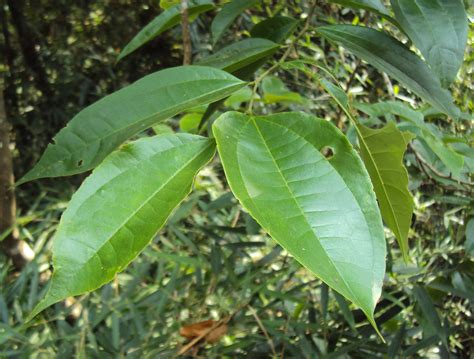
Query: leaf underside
pixel 321 211
pixel 119 209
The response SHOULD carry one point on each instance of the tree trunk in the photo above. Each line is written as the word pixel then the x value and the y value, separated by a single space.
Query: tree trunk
pixel 16 250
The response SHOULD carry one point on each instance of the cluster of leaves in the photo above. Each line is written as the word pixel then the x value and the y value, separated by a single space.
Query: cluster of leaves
pixel 296 174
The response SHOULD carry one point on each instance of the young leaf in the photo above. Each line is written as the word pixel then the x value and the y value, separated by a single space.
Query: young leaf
pixel 100 128
pixel 275 91
pixel 439 29
pixel 119 209
pixel 391 56
pixel 240 54
pixel 276 29
pixel 382 151
pixel 166 20
pixel 321 210
pixel 227 15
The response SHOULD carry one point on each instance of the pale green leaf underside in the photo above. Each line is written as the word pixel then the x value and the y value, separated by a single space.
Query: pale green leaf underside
pixel 119 208
pixel 391 56
pixel 166 20
pixel 100 128
pixel 439 29
pixel 227 15
pixel 240 54
pixel 382 151
pixel 321 211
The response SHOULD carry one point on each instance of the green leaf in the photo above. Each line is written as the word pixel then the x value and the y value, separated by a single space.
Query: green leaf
pixel 190 122
pixel 275 91
pixel 389 55
pixel 469 244
pixel 227 15
pixel 276 29
pixel 240 54
pixel 427 133
pixel 100 128
pixel 119 209
pixel 371 5
pixel 322 211
pixel 382 151
pixel 166 20
pixel 439 29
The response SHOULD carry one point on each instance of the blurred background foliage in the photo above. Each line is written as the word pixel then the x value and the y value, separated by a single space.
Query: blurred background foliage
pixel 212 261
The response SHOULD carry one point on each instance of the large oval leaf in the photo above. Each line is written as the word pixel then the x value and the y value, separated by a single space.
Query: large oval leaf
pixel 391 56
pixel 119 208
pixel 100 128
pixel 240 54
pixel 227 15
pixel 439 29
pixel 323 211
pixel 166 20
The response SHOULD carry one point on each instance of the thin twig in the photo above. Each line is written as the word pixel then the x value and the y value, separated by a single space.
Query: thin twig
pixel 265 333
pixel 285 55
pixel 187 46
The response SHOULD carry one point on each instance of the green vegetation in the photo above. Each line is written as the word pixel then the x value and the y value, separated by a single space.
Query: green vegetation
pixel 236 179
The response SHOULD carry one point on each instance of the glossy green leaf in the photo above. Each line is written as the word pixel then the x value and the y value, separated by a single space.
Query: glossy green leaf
pixel 427 133
pixel 322 211
pixel 166 20
pixel 439 29
pixel 100 128
pixel 240 54
pixel 276 29
pixel 382 151
pixel 119 209
pixel 391 56
pixel 227 15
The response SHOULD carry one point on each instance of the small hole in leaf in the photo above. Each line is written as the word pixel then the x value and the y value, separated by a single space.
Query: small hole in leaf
pixel 80 163
pixel 327 152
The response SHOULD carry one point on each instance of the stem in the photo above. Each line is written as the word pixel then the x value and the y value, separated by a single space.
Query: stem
pixel 285 55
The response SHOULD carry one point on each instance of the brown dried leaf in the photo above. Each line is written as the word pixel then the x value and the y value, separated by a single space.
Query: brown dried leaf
pixel 210 330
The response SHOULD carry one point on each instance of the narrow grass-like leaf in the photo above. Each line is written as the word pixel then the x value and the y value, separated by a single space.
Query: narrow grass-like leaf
pixel 276 29
pixel 100 128
pixel 382 151
pixel 240 54
pixel 391 56
pixel 227 15
pixel 439 29
pixel 166 20
pixel 321 210
pixel 119 209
